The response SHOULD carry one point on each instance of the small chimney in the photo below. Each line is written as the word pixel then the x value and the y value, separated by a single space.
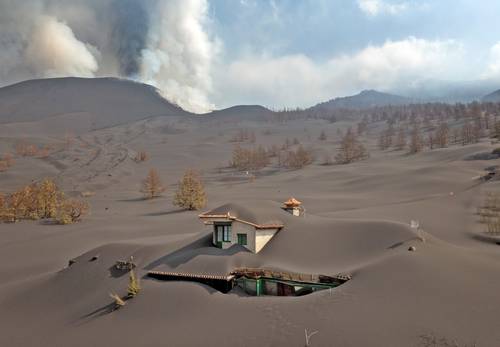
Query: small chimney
pixel 293 206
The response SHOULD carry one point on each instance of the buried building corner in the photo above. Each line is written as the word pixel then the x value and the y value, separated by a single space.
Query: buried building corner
pixel 259 282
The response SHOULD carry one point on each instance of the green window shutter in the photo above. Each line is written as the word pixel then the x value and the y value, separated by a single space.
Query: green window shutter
pixel 242 239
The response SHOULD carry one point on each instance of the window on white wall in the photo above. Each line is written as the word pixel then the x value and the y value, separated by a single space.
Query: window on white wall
pixel 223 232
pixel 227 233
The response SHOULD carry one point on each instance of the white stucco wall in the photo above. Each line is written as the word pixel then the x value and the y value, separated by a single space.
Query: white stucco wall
pixel 263 237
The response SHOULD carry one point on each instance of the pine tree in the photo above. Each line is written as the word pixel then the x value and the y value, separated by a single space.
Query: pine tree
pixel 385 140
pixel 351 149
pixel 48 199
pixel 416 140
pixel 152 186
pixel 190 193
pixel 400 139
pixel 442 137
pixel 134 286
pixel 495 129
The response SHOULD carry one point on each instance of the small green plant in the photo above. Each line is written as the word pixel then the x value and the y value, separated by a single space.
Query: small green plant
pixel 134 287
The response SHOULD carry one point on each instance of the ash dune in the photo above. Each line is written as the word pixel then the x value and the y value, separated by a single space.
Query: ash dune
pixel 356 222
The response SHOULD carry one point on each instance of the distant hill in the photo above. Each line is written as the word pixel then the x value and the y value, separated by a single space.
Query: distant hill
pixel 493 97
pixel 105 101
pixel 365 99
pixel 242 112
pixel 432 90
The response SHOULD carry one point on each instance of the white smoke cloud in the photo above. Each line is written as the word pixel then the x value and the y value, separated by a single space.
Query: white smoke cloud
pixel 54 51
pixel 297 80
pixel 180 54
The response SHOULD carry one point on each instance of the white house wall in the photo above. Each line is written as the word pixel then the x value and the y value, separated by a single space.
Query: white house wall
pixel 236 228
pixel 263 237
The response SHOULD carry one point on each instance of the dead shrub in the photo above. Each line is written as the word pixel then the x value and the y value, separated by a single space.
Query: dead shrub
pixel 119 303
pixel 298 159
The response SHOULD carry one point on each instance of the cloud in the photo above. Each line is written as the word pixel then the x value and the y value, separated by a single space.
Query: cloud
pixel 376 7
pixel 493 68
pixel 297 80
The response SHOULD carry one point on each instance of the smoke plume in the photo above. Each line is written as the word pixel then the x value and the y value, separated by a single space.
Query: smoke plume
pixel 161 42
pixel 129 35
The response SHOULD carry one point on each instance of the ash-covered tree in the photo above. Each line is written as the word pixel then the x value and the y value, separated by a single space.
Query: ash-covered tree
pixel 442 137
pixel 431 140
pixel 416 140
pixel 6 162
pixel 152 186
pixel 71 211
pixel 48 198
pixel 41 200
pixel 3 208
pixel 141 156
pixel 191 192
pixel 495 129
pixel 298 159
pixel 455 135
pixel 322 136
pixel 9 160
pixel 385 139
pixel 351 149
pixel 400 139
pixel 249 159
pixel 470 133
pixel 286 145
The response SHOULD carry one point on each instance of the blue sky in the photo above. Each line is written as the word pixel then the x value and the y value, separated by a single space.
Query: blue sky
pixel 334 40
pixel 321 28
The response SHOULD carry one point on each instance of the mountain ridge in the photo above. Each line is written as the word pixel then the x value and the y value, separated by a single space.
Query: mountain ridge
pixel 106 101
pixel 365 99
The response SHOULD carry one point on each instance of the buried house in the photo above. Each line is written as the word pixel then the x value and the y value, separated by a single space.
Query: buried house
pixel 253 227
pixel 233 224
